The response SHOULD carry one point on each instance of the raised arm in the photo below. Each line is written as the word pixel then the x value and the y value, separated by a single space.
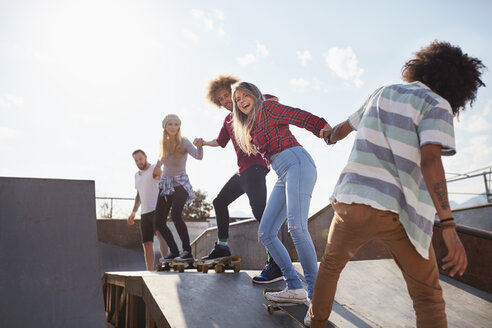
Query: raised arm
pixel 295 116
pixel 433 172
pixel 190 149
pixel 339 132
pixel 199 142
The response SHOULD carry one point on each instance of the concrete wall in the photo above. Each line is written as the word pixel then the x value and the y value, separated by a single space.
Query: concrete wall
pixel 243 241
pixel 50 274
pixel 478 217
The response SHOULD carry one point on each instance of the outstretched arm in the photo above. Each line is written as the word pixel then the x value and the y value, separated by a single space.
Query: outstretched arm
pixel 199 142
pixel 339 132
pixel 434 177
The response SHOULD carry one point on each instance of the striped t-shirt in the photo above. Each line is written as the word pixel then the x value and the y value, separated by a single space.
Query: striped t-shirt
pixel 383 170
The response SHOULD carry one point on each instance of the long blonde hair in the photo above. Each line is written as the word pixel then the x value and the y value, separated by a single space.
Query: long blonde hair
pixel 242 123
pixel 166 147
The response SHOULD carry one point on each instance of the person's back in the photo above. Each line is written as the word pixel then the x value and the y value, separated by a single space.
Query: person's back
pixel 383 170
pixel 394 181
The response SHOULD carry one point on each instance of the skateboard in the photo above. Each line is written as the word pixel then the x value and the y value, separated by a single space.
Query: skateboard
pixel 220 265
pixel 296 311
pixel 176 265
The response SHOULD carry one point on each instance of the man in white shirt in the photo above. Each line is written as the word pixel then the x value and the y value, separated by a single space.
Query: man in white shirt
pixel 147 192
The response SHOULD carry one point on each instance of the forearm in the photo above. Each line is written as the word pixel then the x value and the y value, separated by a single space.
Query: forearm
pixel 211 143
pixel 340 131
pixel 136 205
pixel 433 172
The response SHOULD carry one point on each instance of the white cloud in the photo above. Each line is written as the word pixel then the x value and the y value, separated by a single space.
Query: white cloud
pixel 304 56
pixel 303 83
pixel 207 21
pixel 261 50
pixel 196 13
pixel 477 123
pixel 246 59
pixel 11 101
pixel 344 63
pixel 299 82
pixel 187 33
pixel 219 14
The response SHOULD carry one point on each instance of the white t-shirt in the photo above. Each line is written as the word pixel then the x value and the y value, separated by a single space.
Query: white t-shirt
pixel 148 189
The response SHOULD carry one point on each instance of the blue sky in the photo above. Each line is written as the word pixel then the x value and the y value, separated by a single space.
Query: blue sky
pixel 84 83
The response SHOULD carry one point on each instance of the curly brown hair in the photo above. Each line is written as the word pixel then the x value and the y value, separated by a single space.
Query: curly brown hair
pixel 220 82
pixel 448 72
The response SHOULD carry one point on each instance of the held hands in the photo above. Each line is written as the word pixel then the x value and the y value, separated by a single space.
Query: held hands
pixel 156 174
pixel 131 219
pixel 325 132
pixel 456 258
pixel 198 142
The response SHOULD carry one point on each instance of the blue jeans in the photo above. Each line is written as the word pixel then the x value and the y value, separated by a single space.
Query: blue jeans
pixel 290 199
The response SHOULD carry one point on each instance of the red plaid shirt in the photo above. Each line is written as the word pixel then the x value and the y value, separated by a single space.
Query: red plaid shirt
pixel 270 133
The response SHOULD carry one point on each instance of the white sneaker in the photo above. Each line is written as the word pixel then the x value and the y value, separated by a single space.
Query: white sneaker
pixel 298 296
pixel 307 318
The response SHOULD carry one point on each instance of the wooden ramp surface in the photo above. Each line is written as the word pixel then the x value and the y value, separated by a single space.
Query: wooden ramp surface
pixel 369 294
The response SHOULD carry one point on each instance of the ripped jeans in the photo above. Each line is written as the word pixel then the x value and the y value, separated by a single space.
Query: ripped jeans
pixel 290 199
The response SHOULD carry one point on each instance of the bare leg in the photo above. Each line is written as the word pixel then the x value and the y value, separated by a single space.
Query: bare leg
pixel 149 255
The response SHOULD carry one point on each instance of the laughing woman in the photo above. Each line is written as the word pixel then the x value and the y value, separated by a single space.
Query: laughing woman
pixel 263 127
pixel 175 188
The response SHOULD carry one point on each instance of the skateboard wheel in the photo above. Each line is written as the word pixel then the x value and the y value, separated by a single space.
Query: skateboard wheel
pixel 219 268
pixel 181 268
pixel 270 309
pixel 205 269
pixel 237 268
pixel 199 267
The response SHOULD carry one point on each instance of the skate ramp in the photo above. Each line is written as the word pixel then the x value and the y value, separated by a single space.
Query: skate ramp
pixel 370 293
pixel 50 274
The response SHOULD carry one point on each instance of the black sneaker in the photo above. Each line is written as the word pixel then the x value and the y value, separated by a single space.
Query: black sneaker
pixel 270 273
pixel 184 256
pixel 170 257
pixel 218 252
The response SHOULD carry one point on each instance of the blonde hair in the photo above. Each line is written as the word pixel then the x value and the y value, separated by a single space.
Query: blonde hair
pixel 242 123
pixel 166 147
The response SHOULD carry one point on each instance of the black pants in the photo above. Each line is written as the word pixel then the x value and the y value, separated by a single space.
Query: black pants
pixel 252 182
pixel 174 202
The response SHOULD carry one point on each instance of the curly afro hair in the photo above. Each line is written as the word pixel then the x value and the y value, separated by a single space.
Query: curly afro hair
pixel 221 82
pixel 448 72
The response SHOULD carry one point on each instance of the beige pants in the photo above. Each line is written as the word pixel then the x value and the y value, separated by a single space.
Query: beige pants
pixel 352 226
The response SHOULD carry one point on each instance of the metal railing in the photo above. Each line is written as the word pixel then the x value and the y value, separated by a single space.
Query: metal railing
pixel 485 172
pixel 105 210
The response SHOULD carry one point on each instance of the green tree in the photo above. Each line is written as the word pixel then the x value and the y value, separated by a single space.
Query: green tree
pixel 198 210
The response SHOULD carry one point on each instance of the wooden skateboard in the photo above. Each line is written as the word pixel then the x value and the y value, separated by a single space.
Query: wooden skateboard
pixel 296 311
pixel 220 265
pixel 176 265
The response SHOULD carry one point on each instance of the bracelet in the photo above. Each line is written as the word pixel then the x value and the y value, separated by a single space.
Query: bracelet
pixel 446 220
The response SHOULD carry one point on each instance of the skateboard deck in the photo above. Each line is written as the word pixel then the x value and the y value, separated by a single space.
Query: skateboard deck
pixel 176 265
pixel 297 311
pixel 220 265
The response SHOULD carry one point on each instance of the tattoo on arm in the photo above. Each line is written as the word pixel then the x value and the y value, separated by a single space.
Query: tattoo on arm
pixel 441 193
pixel 137 202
